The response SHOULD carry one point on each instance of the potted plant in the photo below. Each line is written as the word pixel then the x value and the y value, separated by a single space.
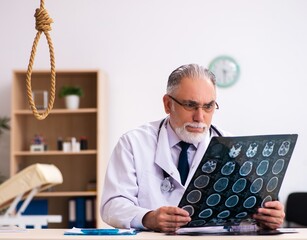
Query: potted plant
pixel 72 96
pixel 4 124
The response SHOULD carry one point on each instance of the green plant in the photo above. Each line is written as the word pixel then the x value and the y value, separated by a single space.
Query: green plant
pixel 4 124
pixel 70 90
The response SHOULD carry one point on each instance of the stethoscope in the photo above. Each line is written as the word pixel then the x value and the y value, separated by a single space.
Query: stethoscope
pixel 166 184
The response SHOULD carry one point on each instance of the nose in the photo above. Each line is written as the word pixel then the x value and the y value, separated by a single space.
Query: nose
pixel 199 115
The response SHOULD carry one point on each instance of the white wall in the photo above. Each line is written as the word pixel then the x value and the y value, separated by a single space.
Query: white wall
pixel 138 43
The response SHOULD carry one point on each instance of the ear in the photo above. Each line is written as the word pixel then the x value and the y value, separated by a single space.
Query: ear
pixel 167 104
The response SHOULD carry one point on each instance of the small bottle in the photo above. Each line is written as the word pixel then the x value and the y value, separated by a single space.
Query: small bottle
pixel 83 143
pixel 60 144
pixel 67 145
pixel 75 146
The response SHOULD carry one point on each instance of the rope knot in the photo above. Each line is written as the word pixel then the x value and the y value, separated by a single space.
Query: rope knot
pixel 43 21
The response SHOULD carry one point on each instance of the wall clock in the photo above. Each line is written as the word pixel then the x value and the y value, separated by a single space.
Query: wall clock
pixel 226 70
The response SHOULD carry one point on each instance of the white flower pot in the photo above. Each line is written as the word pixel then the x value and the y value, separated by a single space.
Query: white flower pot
pixel 72 101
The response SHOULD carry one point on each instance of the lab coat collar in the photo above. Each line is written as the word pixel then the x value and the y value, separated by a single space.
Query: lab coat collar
pixel 163 156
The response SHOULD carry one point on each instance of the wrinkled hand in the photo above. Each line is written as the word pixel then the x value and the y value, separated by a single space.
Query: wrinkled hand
pixel 271 216
pixel 166 219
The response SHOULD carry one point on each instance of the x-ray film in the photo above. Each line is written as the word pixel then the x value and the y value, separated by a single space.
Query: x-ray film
pixel 236 176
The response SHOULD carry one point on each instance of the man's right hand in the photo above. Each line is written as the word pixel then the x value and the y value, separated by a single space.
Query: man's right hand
pixel 166 219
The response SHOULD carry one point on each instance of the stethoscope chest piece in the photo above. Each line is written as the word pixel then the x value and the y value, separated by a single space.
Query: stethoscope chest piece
pixel 166 185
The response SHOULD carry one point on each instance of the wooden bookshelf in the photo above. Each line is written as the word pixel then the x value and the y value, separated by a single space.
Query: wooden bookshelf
pixel 90 120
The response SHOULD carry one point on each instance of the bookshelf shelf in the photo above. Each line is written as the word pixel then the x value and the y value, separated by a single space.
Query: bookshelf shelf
pixel 59 111
pixel 54 152
pixel 68 194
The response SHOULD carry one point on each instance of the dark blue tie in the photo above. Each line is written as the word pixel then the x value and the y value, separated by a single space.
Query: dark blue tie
pixel 183 164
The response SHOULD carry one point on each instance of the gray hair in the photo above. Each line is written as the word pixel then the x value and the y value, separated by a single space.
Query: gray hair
pixel 188 71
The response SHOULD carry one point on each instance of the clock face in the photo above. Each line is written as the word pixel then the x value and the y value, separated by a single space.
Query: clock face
pixel 226 70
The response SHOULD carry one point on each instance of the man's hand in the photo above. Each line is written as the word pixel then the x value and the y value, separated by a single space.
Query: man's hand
pixel 271 216
pixel 166 219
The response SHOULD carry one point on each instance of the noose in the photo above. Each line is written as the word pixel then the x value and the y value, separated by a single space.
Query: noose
pixel 43 24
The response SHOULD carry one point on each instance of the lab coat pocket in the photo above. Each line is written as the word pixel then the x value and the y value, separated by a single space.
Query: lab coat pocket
pixel 150 195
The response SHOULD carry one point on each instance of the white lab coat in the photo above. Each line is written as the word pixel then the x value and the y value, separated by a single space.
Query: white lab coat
pixel 134 176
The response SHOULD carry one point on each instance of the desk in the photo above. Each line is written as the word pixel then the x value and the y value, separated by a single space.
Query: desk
pixel 58 234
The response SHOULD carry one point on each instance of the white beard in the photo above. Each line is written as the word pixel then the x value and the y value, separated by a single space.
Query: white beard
pixel 189 137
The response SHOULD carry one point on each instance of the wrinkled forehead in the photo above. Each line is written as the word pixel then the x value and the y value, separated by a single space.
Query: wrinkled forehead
pixel 198 89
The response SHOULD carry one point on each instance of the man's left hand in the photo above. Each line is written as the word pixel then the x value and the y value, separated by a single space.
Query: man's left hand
pixel 271 216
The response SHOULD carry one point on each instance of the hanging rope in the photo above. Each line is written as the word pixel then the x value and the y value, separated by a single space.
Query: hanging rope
pixel 43 24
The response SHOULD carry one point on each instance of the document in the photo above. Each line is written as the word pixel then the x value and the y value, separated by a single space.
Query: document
pixel 100 231
pixel 201 230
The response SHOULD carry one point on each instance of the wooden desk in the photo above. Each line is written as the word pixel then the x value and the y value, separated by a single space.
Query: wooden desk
pixel 58 234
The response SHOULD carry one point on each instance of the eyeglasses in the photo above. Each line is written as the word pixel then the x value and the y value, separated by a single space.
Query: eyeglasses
pixel 193 106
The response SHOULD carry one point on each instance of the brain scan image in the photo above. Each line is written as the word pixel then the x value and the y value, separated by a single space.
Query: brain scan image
pixel 252 150
pixel 213 199
pixel 224 214
pixel 256 185
pixel 262 167
pixel 232 201
pixel 284 148
pixel 194 196
pixel 239 185
pixel 216 150
pixel 209 166
pixel 221 184
pixel 268 149
pixel 201 181
pixel 278 166
pixel 235 177
pixel 250 202
pixel 246 168
pixel 206 213
pixel 228 168
pixel 268 198
pixel 272 184
pixel 189 209
pixel 241 215
pixel 235 151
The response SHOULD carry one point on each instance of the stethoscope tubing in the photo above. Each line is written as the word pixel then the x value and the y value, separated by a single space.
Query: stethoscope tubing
pixel 166 184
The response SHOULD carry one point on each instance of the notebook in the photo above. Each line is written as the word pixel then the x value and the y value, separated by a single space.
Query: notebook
pixel 236 176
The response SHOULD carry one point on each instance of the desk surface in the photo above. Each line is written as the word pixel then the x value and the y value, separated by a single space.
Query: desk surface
pixel 58 234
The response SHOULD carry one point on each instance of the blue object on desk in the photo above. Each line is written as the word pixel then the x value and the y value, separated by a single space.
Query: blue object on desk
pixel 100 231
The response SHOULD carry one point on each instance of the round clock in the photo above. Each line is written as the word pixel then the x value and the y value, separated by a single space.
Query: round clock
pixel 226 70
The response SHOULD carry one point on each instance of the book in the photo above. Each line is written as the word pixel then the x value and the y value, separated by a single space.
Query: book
pixel 72 212
pixel 90 213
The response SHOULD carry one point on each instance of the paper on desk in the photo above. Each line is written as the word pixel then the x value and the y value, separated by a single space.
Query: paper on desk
pixel 200 230
pixel 243 230
pixel 287 230
pixel 99 231
pixel 11 229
